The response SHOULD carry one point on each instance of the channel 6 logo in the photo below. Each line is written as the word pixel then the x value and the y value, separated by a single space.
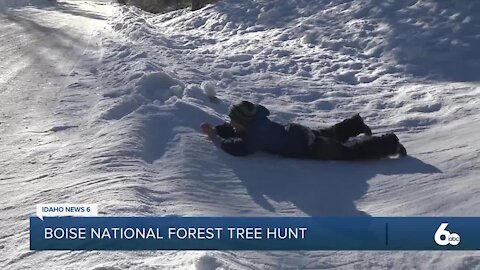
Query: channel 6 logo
pixel 443 237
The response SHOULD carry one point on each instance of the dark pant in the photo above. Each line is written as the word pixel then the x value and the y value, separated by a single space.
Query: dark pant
pixel 332 143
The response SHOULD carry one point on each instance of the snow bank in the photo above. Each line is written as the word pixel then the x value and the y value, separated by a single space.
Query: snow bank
pixel 129 129
pixel 369 39
pixel 159 86
pixel 399 63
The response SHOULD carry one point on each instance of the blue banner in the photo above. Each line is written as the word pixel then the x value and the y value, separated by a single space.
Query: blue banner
pixel 255 233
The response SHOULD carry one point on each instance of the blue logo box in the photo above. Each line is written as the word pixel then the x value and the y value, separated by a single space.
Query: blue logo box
pixel 255 233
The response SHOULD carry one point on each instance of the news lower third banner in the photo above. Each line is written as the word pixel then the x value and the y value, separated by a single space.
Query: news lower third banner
pixel 254 233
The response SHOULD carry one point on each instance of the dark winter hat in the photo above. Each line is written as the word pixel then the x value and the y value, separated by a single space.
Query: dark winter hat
pixel 242 112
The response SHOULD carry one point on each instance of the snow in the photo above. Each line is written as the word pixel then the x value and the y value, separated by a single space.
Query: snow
pixel 209 89
pixel 102 104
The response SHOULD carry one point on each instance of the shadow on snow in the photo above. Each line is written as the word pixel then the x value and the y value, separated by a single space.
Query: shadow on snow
pixel 317 188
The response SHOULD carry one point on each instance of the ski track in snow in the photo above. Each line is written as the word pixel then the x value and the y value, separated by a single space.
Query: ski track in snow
pixel 103 105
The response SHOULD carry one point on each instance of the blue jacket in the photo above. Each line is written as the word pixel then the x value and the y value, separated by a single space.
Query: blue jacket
pixel 292 140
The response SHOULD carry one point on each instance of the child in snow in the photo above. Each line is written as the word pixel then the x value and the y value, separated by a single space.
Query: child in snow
pixel 250 130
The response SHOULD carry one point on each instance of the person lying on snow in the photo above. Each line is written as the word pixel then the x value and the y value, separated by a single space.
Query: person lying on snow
pixel 250 130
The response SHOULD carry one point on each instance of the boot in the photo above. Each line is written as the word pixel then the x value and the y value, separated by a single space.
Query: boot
pixel 363 128
pixel 375 147
pixel 345 130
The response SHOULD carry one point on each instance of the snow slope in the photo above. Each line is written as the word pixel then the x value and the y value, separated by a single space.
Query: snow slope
pixel 105 109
